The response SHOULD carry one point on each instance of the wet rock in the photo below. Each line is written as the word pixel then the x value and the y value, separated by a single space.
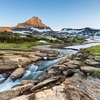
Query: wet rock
pixel 51 58
pixel 14 92
pixel 52 55
pixel 44 83
pixel 28 82
pixel 2 77
pixel 19 72
pixel 62 60
pixel 17 85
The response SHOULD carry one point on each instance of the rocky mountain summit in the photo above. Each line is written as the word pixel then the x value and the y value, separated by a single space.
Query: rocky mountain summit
pixel 73 77
pixel 33 22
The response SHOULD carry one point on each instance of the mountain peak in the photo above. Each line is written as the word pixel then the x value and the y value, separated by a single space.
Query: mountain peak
pixel 32 22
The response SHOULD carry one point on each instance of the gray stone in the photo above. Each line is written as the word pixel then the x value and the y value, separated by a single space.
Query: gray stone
pixel 97 58
pixel 19 72
pixel 62 60
pixel 91 62
pixel 89 68
pixel 90 57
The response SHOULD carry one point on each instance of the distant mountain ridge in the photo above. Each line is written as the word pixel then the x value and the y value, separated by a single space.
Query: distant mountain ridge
pixel 82 32
pixel 35 26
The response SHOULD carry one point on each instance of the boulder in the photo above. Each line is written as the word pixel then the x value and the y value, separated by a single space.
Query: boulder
pixel 62 60
pixel 14 92
pixel 19 72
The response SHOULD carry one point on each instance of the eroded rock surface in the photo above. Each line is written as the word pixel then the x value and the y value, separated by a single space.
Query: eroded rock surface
pixel 69 79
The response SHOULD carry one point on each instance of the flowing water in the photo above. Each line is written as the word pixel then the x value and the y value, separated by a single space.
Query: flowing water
pixel 37 69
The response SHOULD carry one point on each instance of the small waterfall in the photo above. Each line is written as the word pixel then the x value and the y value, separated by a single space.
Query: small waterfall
pixel 32 73
pixel 8 84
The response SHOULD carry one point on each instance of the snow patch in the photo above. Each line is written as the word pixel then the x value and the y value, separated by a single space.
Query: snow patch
pixel 40 30
pixel 70 30
pixel 21 32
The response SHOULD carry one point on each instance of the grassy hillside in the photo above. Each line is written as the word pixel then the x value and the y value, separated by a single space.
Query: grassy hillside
pixel 94 50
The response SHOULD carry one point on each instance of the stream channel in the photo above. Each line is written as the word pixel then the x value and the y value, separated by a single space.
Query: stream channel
pixel 37 69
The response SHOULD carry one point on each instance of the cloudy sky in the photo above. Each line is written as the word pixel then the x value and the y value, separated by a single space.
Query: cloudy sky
pixel 57 14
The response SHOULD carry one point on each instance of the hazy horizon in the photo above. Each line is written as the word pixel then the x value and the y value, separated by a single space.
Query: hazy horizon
pixel 54 13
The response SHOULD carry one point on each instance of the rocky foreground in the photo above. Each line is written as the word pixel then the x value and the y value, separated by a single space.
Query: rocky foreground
pixel 73 77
